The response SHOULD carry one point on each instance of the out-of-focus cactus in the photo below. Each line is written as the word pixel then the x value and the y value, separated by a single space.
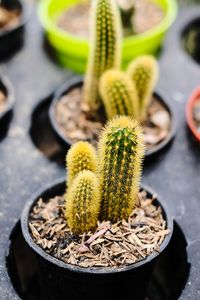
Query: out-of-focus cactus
pixel 118 94
pixel 105 47
pixel 144 72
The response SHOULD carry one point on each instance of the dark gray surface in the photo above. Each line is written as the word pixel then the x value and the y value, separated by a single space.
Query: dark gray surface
pixel 174 175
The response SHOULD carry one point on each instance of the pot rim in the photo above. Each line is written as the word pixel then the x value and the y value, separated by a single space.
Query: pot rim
pixel 101 270
pixel 78 81
pixel 10 99
pixel 189 115
pixel 49 25
pixel 25 14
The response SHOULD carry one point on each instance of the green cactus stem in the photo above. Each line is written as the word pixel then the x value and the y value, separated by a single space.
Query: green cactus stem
pixel 81 156
pixel 121 150
pixel 105 47
pixel 118 94
pixel 83 203
pixel 144 72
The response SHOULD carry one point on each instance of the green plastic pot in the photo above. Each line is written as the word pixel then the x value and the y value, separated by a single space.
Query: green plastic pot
pixel 72 51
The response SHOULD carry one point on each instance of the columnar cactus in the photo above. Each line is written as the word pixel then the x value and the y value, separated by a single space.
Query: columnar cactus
pixel 118 94
pixel 144 73
pixel 81 156
pixel 105 47
pixel 83 203
pixel 121 151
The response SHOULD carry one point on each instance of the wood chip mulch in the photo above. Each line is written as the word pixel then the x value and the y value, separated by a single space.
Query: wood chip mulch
pixel 111 245
pixel 2 101
pixel 9 19
pixel 78 123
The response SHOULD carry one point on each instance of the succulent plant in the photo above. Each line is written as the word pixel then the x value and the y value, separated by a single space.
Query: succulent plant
pixel 81 156
pixel 144 72
pixel 105 47
pixel 83 203
pixel 118 94
pixel 121 150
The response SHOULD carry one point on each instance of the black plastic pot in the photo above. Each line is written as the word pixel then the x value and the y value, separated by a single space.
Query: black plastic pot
pixel 78 82
pixel 11 40
pixel 59 280
pixel 7 89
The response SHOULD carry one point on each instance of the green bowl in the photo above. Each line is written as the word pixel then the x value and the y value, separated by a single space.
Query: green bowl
pixel 71 51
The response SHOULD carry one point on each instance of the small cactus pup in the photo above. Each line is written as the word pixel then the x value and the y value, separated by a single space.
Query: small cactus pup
pixel 144 72
pixel 81 156
pixel 118 94
pixel 83 203
pixel 121 151
pixel 105 47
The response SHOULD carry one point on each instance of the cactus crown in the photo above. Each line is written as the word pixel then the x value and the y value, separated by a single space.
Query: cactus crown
pixel 83 203
pixel 121 151
pixel 144 73
pixel 118 94
pixel 113 193
pixel 105 47
pixel 81 156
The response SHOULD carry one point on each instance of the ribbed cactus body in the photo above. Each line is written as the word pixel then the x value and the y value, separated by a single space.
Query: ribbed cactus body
pixel 83 203
pixel 105 47
pixel 81 156
pixel 121 151
pixel 144 73
pixel 118 94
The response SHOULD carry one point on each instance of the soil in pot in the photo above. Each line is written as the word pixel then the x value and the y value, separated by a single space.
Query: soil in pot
pixel 2 101
pixel 77 122
pixel 147 15
pixel 9 18
pixel 112 245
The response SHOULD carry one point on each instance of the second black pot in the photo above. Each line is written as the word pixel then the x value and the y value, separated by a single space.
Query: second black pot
pixel 60 281
pixel 77 82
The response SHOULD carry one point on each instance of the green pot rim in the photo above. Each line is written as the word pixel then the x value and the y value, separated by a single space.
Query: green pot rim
pixel 161 28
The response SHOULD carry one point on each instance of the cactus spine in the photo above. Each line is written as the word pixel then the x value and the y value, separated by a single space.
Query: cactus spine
pixel 81 156
pixel 144 73
pixel 83 203
pixel 121 150
pixel 118 94
pixel 105 47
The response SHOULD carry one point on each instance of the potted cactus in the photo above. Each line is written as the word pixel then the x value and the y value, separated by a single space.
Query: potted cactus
pixel 72 50
pixel 79 110
pixel 99 234
pixel 13 17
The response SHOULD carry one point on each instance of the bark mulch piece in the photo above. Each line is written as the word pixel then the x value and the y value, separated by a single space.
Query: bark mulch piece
pixel 111 245
pixel 2 101
pixel 77 122
pixel 9 19
pixel 75 20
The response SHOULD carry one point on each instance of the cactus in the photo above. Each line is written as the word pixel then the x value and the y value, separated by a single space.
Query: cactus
pixel 121 150
pixel 118 94
pixel 83 203
pixel 81 156
pixel 105 48
pixel 144 73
